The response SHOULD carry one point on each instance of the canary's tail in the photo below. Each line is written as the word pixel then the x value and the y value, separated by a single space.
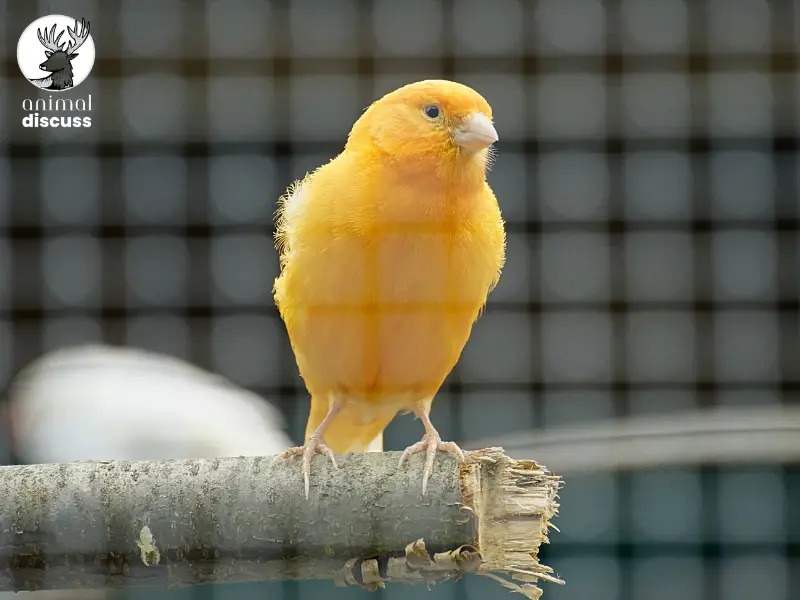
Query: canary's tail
pixel 352 430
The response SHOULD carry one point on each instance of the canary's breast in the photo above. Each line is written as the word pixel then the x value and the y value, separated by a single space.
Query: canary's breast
pixel 382 312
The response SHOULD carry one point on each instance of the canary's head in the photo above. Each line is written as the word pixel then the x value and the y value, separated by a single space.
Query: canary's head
pixel 435 121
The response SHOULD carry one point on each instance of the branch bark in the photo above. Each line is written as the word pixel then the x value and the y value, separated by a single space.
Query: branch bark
pixel 184 522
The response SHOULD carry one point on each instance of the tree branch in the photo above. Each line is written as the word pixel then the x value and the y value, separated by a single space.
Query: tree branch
pixel 184 522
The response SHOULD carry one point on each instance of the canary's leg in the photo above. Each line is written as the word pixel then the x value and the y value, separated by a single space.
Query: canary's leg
pixel 315 444
pixel 430 443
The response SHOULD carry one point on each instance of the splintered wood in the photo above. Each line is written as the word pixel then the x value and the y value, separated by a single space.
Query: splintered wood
pixel 511 502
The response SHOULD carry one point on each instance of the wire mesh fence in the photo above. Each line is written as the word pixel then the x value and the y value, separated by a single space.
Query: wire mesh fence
pixel 647 170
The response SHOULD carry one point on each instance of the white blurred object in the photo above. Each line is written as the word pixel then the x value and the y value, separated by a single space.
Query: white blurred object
pixel 109 403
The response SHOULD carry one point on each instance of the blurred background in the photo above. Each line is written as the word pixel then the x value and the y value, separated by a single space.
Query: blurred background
pixel 648 172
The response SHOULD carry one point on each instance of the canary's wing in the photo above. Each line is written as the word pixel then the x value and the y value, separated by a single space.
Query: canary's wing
pixel 307 223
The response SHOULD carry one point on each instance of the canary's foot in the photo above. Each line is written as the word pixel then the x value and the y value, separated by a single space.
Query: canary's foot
pixel 313 446
pixel 430 444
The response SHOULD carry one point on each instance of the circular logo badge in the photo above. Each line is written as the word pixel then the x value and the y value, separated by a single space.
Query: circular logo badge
pixel 56 53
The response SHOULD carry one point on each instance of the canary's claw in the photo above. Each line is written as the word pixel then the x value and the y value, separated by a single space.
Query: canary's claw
pixel 313 446
pixel 430 444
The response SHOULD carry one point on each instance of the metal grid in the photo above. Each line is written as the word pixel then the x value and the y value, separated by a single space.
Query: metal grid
pixel 647 170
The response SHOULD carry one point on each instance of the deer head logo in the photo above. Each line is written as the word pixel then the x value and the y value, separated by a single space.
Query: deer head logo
pixel 59 55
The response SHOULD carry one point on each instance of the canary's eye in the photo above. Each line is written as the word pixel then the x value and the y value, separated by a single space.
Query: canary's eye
pixel 431 111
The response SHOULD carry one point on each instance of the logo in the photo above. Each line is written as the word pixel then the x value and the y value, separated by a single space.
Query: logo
pixel 51 61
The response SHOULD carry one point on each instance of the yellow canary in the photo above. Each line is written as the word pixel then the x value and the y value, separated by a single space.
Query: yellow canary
pixel 387 254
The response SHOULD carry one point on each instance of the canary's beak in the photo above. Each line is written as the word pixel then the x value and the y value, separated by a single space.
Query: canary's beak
pixel 476 133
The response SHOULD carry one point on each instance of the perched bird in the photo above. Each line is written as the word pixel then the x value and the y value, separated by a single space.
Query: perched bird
pixel 387 254
pixel 99 402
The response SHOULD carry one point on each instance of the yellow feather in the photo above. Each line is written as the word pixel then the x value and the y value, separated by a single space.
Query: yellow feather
pixel 387 255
